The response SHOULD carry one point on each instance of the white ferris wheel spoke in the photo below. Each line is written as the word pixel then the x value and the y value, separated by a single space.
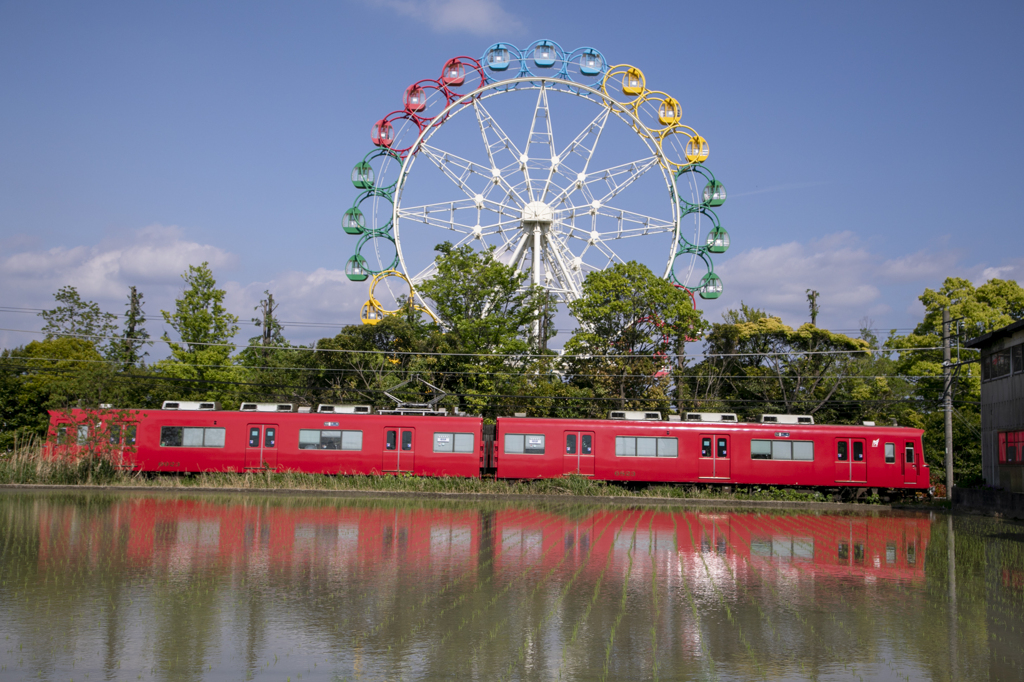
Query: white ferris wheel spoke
pixel 495 143
pixel 460 171
pixel 586 223
pixel 582 147
pixel 540 154
pixel 443 215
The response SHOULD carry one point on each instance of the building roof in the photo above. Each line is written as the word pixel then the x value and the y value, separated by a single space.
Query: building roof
pixel 987 339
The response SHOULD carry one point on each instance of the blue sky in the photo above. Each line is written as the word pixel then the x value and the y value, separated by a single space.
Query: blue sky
pixel 869 149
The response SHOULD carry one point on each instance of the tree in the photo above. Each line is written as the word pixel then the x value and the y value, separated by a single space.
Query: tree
pixel 57 373
pixel 73 317
pixel 134 336
pixel 765 365
pixel 973 311
pixel 201 359
pixel 632 325
pixel 479 299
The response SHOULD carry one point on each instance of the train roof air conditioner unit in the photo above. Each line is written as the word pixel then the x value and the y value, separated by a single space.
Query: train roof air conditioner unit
pixel 190 405
pixel 344 409
pixel 711 417
pixel 267 407
pixel 786 419
pixel 632 415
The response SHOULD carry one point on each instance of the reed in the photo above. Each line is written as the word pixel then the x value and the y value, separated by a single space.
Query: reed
pixel 27 463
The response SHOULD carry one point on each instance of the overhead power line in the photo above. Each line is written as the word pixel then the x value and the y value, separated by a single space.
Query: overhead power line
pixel 585 356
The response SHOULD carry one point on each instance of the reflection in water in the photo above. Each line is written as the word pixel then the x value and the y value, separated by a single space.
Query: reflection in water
pixel 136 587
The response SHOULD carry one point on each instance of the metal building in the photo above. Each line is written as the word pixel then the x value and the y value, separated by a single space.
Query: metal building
pixel 1002 406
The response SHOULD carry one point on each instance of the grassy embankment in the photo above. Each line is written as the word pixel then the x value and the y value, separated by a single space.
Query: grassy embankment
pixel 27 465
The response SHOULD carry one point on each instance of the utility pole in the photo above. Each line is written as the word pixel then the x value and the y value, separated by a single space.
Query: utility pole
pixel 267 307
pixel 812 299
pixel 947 401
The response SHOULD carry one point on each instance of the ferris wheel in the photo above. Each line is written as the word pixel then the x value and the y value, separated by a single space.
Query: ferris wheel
pixel 477 156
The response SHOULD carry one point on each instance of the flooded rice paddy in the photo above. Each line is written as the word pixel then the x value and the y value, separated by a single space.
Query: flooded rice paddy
pixel 135 587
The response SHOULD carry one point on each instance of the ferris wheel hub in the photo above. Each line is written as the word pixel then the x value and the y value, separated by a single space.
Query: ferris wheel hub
pixel 537 212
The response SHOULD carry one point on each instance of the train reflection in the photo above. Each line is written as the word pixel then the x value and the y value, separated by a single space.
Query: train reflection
pixel 183 535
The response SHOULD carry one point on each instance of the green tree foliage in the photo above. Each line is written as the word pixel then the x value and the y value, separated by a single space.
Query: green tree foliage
pixel 973 311
pixel 767 366
pixel 200 360
pixel 633 325
pixel 129 348
pixel 54 374
pixel 80 319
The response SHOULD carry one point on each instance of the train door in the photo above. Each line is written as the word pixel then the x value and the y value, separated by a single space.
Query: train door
pixel 399 448
pixel 579 453
pixel 706 462
pixel 261 449
pixel 909 463
pixel 858 467
pixel 715 457
pixel 723 466
pixel 843 456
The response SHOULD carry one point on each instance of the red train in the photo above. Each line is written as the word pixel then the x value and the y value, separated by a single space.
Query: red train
pixel 779 450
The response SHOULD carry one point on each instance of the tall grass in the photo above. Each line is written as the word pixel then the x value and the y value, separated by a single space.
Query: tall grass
pixel 27 463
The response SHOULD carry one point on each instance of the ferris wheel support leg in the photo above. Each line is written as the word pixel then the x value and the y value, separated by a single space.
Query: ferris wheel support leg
pixel 536 267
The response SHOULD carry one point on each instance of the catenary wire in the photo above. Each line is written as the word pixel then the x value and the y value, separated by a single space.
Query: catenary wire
pixel 586 356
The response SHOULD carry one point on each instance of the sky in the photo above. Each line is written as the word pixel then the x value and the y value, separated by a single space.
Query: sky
pixel 870 150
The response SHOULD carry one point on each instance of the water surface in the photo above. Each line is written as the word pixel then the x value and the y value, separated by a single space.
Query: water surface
pixel 112 587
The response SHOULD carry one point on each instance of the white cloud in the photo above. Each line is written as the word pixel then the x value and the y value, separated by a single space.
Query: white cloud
pixel 852 280
pixel 472 16
pixel 994 273
pixel 153 258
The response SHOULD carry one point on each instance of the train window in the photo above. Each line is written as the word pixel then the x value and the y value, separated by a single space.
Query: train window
pixel 83 435
pixel 858 451
pixel 782 449
pixel 191 437
pixel 911 553
pixel 705 447
pixel 587 444
pixel 890 453
pixel 115 434
pixel 890 552
pixel 646 447
pixel 760 449
pixel 524 444
pixel 1011 453
pixel 453 442
pixel 723 447
pixel 129 435
pixel 315 439
pixel 858 552
pixel 391 440
pixel 269 437
pixel 841 452
pixel 803 450
pixel 909 450
pixel 254 436
pixel 407 440
pixel 844 551
pixel 570 444
pixel 62 435
pixel 629 446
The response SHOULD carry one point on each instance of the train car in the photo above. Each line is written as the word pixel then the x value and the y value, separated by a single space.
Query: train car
pixel 186 437
pixel 790 452
pixel 781 450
